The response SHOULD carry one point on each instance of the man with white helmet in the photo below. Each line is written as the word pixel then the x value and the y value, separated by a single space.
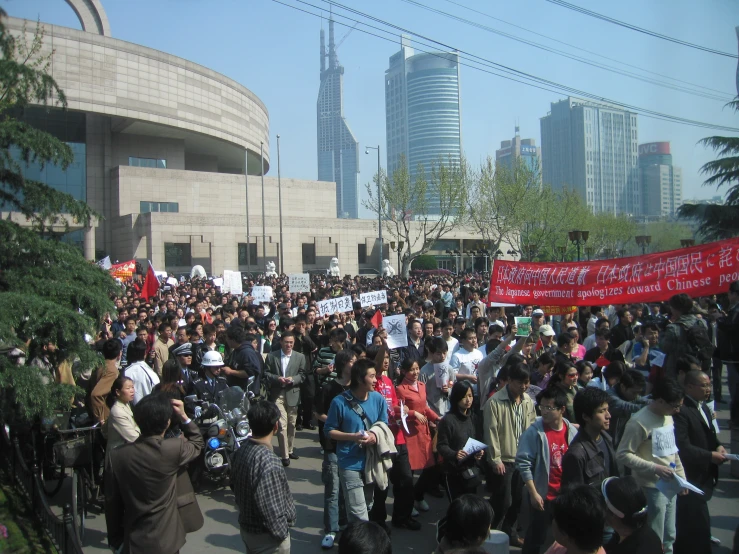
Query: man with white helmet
pixel 208 387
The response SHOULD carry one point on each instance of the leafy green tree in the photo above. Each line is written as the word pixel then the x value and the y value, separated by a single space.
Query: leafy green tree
pixel 716 222
pixel 610 235
pixel 48 291
pixel 408 214
pixel 425 262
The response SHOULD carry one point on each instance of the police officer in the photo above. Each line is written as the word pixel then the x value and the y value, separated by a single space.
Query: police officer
pixel 183 354
pixel 212 383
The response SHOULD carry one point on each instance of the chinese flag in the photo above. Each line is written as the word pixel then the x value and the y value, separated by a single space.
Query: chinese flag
pixel 151 284
pixel 376 319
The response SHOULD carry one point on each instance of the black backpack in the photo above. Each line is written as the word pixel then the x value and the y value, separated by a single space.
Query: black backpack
pixel 699 345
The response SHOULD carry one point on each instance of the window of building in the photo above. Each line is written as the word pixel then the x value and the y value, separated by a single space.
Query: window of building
pixel 252 253
pixel 177 254
pixel 362 253
pixel 171 207
pixel 309 253
pixel 147 162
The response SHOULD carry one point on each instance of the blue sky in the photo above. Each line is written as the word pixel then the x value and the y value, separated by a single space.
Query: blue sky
pixel 273 50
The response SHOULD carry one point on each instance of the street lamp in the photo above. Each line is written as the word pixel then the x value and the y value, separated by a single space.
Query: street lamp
pixel 485 254
pixel 687 243
pixel 578 238
pixel 643 241
pixel 563 251
pixel 471 253
pixel 589 250
pixel 401 244
pixel 513 252
pixel 379 200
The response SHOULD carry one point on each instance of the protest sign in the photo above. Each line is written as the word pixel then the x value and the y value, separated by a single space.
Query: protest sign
pixel 124 270
pixel 523 326
pixel 261 294
pixel 397 332
pixel 374 298
pixel 299 282
pixel 333 305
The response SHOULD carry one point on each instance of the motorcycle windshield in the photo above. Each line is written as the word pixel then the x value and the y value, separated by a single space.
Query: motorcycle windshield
pixel 231 398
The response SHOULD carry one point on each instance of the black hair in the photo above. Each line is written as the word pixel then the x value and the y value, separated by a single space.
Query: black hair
pixel 586 401
pixel 114 388
pixel 553 393
pixel 694 377
pixel 564 338
pixel 436 344
pixel 630 379
pixel 544 359
pixel 668 390
pixel 236 333
pixel 601 321
pixel 682 303
pixel 468 521
pixel 603 333
pixel 337 335
pixel 359 371
pixel 358 349
pixel 686 362
pixel 561 368
pixel 287 335
pixel 734 287
pixel 342 358
pixel 111 349
pixel 285 322
pixel 580 515
pixel 649 325
pixel 459 391
pixel 152 414
pixel 446 323
pixel 468 334
pixel 162 326
pixel 262 417
pixel 519 372
pixel 364 537
pixel 136 351
pixel 480 320
pixel 582 365
pixel 627 496
pixel 405 365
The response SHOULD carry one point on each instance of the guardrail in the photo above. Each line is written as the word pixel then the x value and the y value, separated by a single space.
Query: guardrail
pixel 59 530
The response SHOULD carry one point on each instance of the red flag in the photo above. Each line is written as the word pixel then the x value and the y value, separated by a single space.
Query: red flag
pixel 376 319
pixel 151 283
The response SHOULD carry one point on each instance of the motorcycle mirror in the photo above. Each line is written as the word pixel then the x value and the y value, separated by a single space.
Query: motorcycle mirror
pixel 191 398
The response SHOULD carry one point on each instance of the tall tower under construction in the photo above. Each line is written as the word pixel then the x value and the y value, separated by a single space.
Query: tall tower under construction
pixel 338 150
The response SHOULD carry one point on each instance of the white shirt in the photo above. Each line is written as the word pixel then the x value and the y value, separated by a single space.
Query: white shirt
pixel 589 342
pixel 285 359
pixel 703 414
pixel 144 379
pixel 452 346
pixel 465 362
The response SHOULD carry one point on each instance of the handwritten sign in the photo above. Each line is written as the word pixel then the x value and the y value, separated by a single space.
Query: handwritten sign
pixel 261 294
pixel 374 298
pixel 299 282
pixel 235 283
pixel 663 441
pixel 333 305
pixel 226 284
pixel 397 332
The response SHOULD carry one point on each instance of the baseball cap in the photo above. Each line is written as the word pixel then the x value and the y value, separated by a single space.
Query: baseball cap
pixel 537 311
pixel 459 319
pixel 546 330
pixel 498 324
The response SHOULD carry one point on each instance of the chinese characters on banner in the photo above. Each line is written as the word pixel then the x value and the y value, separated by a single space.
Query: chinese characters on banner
pixel 697 271
pixel 299 282
pixel 124 270
pixel 330 307
pixel 558 310
pixel 374 298
pixel 261 294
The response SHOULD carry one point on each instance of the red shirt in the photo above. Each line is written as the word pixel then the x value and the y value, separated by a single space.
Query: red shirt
pixel 557 441
pixel 386 388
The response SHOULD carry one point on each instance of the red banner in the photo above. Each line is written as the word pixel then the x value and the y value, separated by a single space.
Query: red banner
pixel 697 271
pixel 124 270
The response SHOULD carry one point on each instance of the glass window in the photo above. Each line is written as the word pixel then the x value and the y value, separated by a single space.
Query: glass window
pixel 146 207
pixel 309 253
pixel 362 253
pixel 177 254
pixel 147 162
pixel 252 253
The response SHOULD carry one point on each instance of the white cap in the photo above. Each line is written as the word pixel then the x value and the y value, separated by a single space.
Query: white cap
pixel 546 330
pixel 537 311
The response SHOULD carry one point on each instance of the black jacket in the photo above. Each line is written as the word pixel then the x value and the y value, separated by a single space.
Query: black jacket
pixel 245 358
pixel 620 334
pixel 453 431
pixel 728 335
pixel 584 463
pixel 205 391
pixel 696 441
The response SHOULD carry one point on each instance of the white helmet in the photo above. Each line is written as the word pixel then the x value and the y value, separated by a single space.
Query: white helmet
pixel 212 359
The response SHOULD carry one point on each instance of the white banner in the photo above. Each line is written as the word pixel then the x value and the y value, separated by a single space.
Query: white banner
pixel 397 332
pixel 218 282
pixel 340 304
pixel 299 282
pixel 261 294
pixel 172 281
pixel 235 284
pixel 226 283
pixel 374 298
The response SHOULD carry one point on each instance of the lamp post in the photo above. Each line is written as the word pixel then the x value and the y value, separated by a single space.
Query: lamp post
pixel 485 254
pixel 589 250
pixel 578 238
pixel 687 243
pixel 279 196
pixel 643 241
pixel 401 244
pixel 563 250
pixel 379 202
pixel 513 253
pixel 471 253
pixel 264 219
pixel 246 194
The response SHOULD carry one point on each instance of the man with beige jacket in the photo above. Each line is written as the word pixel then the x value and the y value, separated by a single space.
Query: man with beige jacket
pixel 101 381
pixel 506 415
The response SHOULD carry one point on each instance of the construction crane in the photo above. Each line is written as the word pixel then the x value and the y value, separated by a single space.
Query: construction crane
pixel 349 32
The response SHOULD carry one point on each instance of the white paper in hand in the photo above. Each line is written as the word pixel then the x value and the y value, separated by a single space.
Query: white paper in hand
pixel 734 457
pixel 404 417
pixel 672 487
pixel 472 446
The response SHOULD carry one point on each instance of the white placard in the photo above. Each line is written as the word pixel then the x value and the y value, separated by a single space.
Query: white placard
pixel 235 284
pixel 663 441
pixel 299 282
pixel 261 294
pixel 374 298
pixel 218 282
pixel 172 281
pixel 472 446
pixel 333 305
pixel 672 487
pixel 397 332
pixel 226 286
pixel 658 359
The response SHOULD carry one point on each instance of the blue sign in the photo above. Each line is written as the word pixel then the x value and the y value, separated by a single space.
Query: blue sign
pixel 528 150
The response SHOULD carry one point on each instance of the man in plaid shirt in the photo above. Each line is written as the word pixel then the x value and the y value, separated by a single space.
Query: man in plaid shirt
pixel 266 507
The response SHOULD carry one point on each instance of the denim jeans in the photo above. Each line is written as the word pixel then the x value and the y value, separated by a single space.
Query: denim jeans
pixel 661 513
pixel 357 495
pixel 334 511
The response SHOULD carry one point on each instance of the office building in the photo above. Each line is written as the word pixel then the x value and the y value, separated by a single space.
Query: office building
pixel 592 148
pixel 422 112
pixel 517 148
pixel 338 150
pixel 660 182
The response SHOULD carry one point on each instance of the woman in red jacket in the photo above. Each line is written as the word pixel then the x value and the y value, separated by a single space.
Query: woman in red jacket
pixel 418 437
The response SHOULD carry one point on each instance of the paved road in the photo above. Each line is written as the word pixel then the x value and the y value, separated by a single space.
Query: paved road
pixel 220 532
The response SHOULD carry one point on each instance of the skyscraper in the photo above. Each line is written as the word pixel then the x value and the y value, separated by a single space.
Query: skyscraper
pixel 338 150
pixel 526 149
pixel 660 182
pixel 592 148
pixel 422 111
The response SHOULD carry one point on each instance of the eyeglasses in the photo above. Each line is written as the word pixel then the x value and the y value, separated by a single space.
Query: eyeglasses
pixel 550 408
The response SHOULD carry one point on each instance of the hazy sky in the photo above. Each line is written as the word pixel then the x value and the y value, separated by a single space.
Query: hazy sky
pixel 274 51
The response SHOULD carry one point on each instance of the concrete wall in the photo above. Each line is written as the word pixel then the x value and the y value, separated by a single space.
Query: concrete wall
pixel 139 146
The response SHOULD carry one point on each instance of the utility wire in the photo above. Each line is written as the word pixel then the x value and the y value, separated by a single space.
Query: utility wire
pixel 487 66
pixel 602 17
pixel 709 92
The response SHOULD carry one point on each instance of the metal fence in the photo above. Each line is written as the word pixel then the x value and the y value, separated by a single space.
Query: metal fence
pixel 59 530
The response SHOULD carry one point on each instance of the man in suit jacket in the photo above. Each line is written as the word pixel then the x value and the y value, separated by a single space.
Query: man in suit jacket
pixel 141 501
pixel 284 371
pixel 701 454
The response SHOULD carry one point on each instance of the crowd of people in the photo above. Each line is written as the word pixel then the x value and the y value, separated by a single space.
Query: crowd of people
pixel 578 434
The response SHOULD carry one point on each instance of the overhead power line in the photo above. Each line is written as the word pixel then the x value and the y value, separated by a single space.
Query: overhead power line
pixel 486 66
pixel 602 17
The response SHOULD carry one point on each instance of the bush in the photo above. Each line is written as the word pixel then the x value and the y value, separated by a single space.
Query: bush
pixel 424 262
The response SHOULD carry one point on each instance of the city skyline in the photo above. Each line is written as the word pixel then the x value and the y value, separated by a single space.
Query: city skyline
pixel 284 74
